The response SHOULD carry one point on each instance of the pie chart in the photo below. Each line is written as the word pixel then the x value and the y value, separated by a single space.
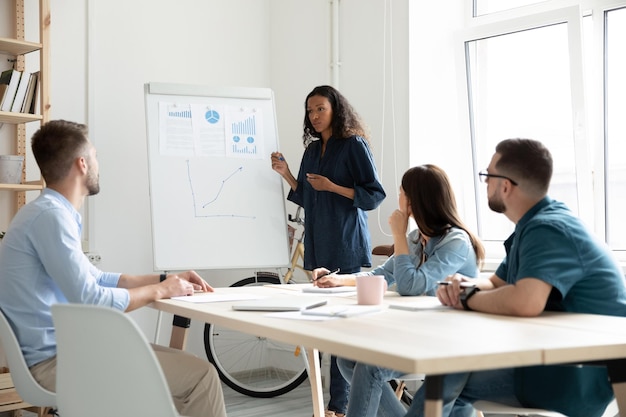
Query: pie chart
pixel 212 116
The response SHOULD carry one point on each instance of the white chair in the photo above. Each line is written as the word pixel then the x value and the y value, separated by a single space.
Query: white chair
pixel 105 366
pixel 488 408
pixel 26 386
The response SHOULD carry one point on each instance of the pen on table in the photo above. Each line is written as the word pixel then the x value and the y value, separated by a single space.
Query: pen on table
pixel 464 284
pixel 330 273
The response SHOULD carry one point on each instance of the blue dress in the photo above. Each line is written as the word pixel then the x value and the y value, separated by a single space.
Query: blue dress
pixel 337 234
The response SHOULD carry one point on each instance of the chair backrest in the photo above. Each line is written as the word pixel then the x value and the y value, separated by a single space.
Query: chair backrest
pixel 105 365
pixel 26 386
pixel 489 407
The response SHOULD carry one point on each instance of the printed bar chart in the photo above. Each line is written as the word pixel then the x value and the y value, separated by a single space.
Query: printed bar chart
pixel 245 127
pixel 186 114
pixel 243 135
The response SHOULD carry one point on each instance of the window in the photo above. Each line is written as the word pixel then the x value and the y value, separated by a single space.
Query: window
pixel 519 83
pixel 526 68
pixel 615 125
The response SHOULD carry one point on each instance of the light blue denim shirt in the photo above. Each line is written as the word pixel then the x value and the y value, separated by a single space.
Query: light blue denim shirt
pixel 41 264
pixel 445 255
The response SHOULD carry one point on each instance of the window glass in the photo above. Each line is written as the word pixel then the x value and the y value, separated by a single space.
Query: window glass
pixel 482 7
pixel 615 116
pixel 520 87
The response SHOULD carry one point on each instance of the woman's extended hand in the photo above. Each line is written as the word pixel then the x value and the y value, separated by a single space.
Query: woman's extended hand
pixel 279 164
pixel 323 278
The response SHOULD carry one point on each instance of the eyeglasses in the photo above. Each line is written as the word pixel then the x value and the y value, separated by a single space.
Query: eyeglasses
pixel 484 175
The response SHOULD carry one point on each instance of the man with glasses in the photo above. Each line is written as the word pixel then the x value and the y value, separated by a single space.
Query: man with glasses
pixel 552 263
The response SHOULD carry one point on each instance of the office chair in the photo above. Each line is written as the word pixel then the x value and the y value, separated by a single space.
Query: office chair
pixel 105 365
pixel 26 386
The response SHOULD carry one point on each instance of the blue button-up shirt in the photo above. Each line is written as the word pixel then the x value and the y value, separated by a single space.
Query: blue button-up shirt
pixel 41 264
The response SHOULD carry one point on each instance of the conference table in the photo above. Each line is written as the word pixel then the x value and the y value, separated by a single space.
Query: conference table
pixel 427 339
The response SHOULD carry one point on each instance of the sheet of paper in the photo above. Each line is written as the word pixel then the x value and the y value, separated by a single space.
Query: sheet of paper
pixel 420 305
pixel 343 310
pixel 211 297
pixel 296 315
pixel 329 290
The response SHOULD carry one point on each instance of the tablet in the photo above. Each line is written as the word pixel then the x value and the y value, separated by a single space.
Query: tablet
pixel 279 304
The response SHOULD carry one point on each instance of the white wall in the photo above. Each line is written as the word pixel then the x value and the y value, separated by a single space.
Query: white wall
pixel 439 113
pixel 104 52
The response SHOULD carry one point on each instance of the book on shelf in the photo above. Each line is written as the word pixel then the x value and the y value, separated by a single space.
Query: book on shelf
pixel 36 96
pixel 30 93
pixel 20 94
pixel 11 78
pixel 3 93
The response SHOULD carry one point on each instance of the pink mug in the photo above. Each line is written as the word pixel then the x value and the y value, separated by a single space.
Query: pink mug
pixel 370 289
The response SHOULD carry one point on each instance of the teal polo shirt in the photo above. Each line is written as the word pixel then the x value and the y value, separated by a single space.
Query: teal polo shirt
pixel 551 244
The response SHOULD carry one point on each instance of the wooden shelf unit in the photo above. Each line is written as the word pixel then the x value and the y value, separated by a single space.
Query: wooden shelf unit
pixel 18 47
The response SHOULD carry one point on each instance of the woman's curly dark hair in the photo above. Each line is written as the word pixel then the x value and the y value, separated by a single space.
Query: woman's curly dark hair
pixel 346 122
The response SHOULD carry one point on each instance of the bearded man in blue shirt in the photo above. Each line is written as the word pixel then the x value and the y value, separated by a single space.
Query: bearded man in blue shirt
pixel 42 263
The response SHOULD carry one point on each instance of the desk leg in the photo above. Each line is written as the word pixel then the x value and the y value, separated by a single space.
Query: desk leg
pixel 434 391
pixel 315 378
pixel 180 326
pixel 620 395
pixel 617 374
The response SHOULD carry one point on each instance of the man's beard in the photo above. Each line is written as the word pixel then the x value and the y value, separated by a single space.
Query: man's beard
pixel 496 204
pixel 92 184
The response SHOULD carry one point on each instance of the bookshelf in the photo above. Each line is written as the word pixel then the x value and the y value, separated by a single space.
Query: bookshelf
pixel 18 48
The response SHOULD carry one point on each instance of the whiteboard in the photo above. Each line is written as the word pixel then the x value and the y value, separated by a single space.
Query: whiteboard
pixel 215 201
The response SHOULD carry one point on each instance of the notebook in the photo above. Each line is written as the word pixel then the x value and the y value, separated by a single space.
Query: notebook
pixel 279 304
pixel 328 290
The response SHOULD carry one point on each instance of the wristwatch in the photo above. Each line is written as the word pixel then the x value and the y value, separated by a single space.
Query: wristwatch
pixel 466 295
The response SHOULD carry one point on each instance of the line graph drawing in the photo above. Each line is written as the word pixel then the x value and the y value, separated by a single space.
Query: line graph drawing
pixel 222 186
pixel 216 197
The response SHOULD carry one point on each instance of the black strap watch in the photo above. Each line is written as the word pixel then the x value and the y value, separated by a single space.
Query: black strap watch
pixel 466 295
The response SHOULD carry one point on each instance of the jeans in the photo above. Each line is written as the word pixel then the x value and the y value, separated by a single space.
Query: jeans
pixel 370 392
pixel 371 395
pixel 339 389
pixel 462 389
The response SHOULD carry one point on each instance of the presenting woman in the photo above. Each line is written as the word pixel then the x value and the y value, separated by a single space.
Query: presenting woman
pixel 336 184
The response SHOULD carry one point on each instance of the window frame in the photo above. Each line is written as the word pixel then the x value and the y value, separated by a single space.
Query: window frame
pixel 599 10
pixel 512 21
